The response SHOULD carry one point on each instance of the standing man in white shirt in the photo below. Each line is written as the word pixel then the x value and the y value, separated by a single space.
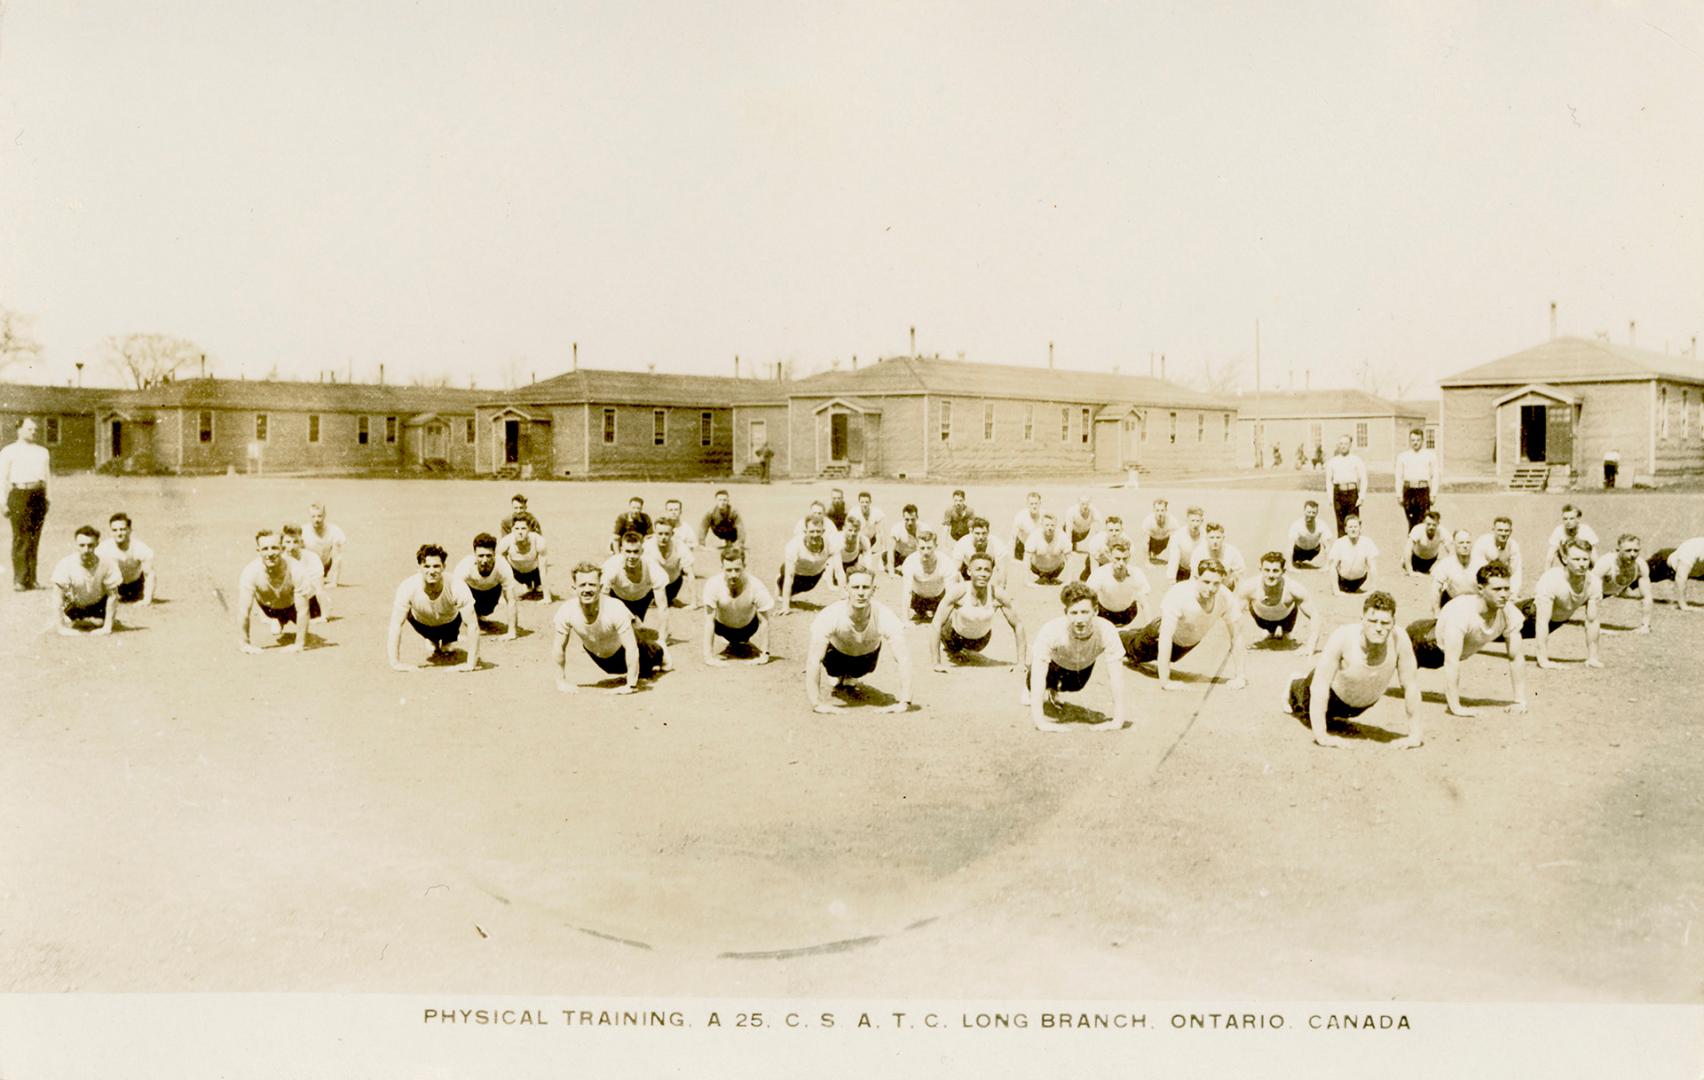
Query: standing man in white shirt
pixel 88 587
pixel 440 611
pixel 134 559
pixel 1416 478
pixel 24 470
pixel 1346 479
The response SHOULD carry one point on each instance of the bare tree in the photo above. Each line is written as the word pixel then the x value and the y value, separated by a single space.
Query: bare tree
pixel 18 344
pixel 434 382
pixel 149 359
pixel 1222 379
pixel 1393 386
pixel 513 374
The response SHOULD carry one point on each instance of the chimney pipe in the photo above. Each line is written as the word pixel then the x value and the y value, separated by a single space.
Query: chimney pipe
pixel 575 366
pixel 736 365
pixel 1631 327
pixel 913 341
pixel 1150 364
pixel 381 374
pixel 854 361
pixel 1050 356
pixel 1307 378
pixel 1552 320
pixel 203 365
pixel 1162 365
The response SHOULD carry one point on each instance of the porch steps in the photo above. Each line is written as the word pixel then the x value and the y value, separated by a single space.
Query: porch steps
pixel 835 472
pixel 1530 478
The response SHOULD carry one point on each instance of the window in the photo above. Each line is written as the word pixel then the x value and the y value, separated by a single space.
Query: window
pixel 946 420
pixel 987 421
pixel 1088 427
pixel 313 427
pixel 362 426
pixel 706 426
pixel 1065 424
pixel 260 427
pixel 659 426
pixel 472 431
pixel 390 429
pixel 1361 435
pixel 50 430
pixel 609 426
pixel 1662 413
pixel 1029 423
pixel 1173 417
pixel 206 423
pixel 1431 438
pixel 1200 427
pixel 1227 417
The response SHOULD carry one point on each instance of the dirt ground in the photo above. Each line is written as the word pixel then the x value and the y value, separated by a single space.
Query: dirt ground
pixel 176 816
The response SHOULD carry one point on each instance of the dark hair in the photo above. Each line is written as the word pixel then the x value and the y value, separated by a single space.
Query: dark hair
pixel 88 530
pixel 979 523
pixel 1274 556
pixel 1494 568
pixel 1121 544
pixel 531 521
pixel 1433 515
pixel 1073 591
pixel 1503 519
pixel 426 551
pixel 908 508
pixel 1414 431
pixel 1213 566
pixel 1570 506
pixel 119 516
pixel 958 491
pixel 1624 537
pixel 866 495
pixel 856 570
pixel 518 497
pixel 291 529
pixel 722 491
pixel 485 540
pixel 1380 601
pixel 630 537
pixel 636 499
pixel 1213 526
pixel 1311 502
pixel 983 555
pixel 927 534
pixel 1110 518
pixel 264 532
pixel 732 552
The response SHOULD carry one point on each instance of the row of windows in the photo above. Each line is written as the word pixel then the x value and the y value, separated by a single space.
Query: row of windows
pixel 363 428
pixel 660 427
pixel 1086 425
pixel 1665 407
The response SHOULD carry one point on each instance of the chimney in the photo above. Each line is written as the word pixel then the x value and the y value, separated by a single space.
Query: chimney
pixel 203 365
pixel 1150 365
pixel 1632 326
pixel 575 366
pixel 1552 320
pixel 381 374
pixel 913 341
pixel 1307 378
pixel 777 371
pixel 736 365
pixel 532 376
pixel 1050 356
pixel 333 378
pixel 1162 365
pixel 854 361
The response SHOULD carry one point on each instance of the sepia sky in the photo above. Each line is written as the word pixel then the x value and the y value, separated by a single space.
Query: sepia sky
pixel 465 189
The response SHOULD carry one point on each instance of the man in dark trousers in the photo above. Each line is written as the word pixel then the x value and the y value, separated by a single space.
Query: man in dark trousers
pixel 23 477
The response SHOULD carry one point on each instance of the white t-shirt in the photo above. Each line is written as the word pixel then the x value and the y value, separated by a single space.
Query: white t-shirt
pixel 1046 556
pixel 973 616
pixel 411 599
pixel 310 574
pixel 1352 557
pixel 677 562
pixel 872 522
pixel 684 537
pixel 1615 579
pixel 1346 470
pixel 85 585
pixel 1450 575
pixel 1077 521
pixel 1464 612
pixel 1181 550
pixel 966 547
pixel 1228 556
pixel 1359 681
pixel 834 625
pixel 1416 468
pixel 324 544
pixel 1302 537
pixel 1193 621
pixel 904 543
pixel 1290 596
pixel 1560 533
pixel 806 562
pixel 1153 529
pixel 1485 550
pixel 24 463
pixel 1056 642
pixel 924 583
pixel 518 560
pixel 1116 594
pixel 467 571
pixel 1023 525
pixel 129 561
pixel 1427 547
pixel 281 595
pixel 652 577
pixel 1564 598
pixel 602 635
pixel 736 611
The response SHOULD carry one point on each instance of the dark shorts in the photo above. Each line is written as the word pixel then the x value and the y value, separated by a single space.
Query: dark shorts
pixel 1048 577
pixel 1157 548
pixel 672 589
pixel 1423 635
pixel 529 580
pixel 442 634
pixel 1142 645
pixel 1351 585
pixel 131 591
pixel 1298 556
pixel 954 642
pixel 95 612
pixel 650 655
pixel 1064 680
pixel 923 607
pixel 1078 537
pixel 1420 564
pixel 640 606
pixel 485 600
pixel 1529 626
pixel 736 635
pixel 1284 625
pixel 802 583
pixel 1018 548
pixel 1301 700
pixel 1119 618
pixel 841 666
pixel 1183 572
pixel 314 608
pixel 284 615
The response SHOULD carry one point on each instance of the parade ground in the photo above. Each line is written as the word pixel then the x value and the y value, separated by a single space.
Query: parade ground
pixel 178 816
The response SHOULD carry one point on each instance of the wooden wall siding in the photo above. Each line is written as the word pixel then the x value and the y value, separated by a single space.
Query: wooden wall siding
pixel 774 419
pixel 968 455
pixel 75 451
pixel 1467 437
pixel 1682 452
pixel 1386 437
pixel 1159 456
pixel 635 451
pixel 286 445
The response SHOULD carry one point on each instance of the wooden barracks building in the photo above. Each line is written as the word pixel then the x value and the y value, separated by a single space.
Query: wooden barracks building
pixel 1546 416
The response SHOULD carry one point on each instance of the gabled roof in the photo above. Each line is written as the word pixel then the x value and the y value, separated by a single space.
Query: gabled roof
pixel 1311 404
pixel 422 419
pixel 1423 407
pixel 1573 359
pixel 1542 391
pixel 261 394
pixel 605 387
pixel 28 398
pixel 963 378
pixel 855 406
